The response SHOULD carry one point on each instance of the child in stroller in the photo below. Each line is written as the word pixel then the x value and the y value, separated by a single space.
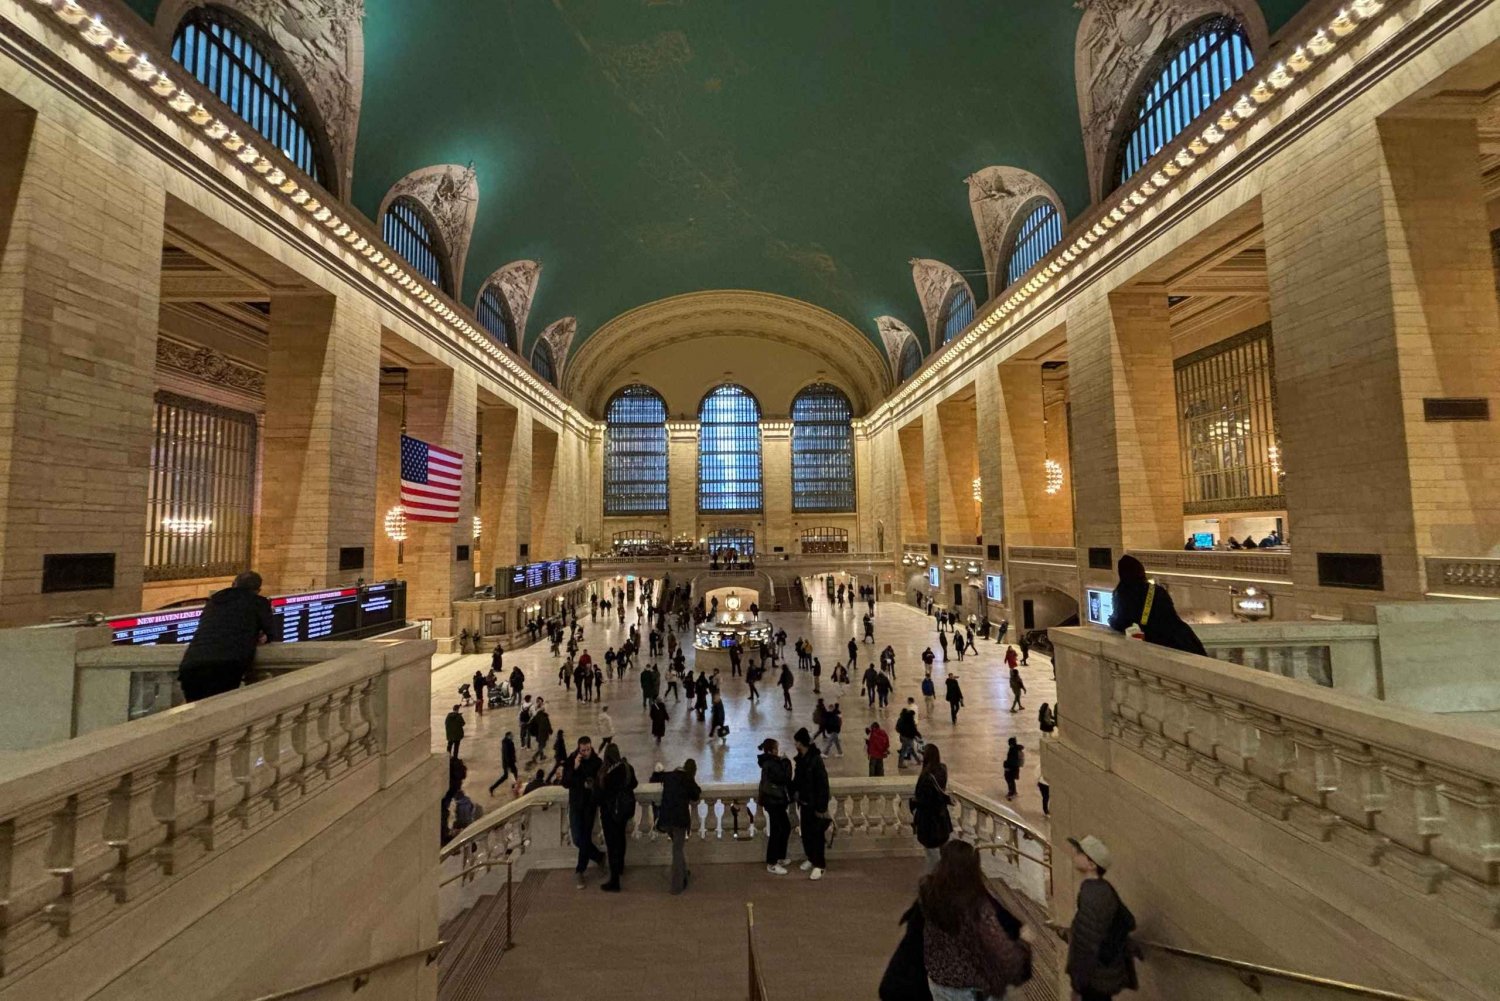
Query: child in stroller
pixel 501 695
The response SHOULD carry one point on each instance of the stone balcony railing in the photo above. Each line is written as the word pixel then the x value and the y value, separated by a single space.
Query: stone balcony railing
pixel 1257 565
pixel 870 818
pixel 1406 794
pixel 96 828
pixel 1045 554
pixel 1342 655
pixel 1476 577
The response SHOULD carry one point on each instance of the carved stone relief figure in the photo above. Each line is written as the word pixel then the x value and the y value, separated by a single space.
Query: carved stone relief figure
pixel 323 41
pixel 559 337
pixel 450 193
pixel 997 196
pixel 1117 40
pixel 517 282
pixel 894 334
pixel 934 280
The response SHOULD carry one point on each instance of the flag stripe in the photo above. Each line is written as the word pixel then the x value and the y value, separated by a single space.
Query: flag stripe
pixel 431 481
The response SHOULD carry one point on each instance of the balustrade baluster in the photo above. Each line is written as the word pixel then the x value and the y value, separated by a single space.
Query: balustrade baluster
pixel 133 831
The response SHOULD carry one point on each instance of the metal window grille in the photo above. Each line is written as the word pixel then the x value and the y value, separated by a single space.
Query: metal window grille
pixel 541 362
pixel 825 540
pixel 958 313
pixel 1194 71
pixel 911 360
pixel 741 540
pixel 407 231
pixel 729 471
pixel 200 506
pixel 226 56
pixel 822 450
pixel 1039 233
pixel 493 314
pixel 635 452
pixel 1227 428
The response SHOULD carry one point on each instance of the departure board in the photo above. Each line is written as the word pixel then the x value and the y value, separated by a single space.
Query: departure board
pixel 338 613
pixel 156 628
pixel 318 615
pixel 512 581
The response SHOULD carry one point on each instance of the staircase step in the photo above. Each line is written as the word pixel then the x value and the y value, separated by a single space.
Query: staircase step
pixel 470 970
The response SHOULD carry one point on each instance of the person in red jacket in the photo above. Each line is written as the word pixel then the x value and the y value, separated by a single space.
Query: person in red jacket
pixel 877 747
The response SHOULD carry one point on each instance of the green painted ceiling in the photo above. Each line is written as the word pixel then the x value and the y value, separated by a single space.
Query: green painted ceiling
pixel 645 148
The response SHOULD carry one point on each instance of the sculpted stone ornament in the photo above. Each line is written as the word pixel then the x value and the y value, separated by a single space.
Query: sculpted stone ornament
pixel 1000 198
pixel 1116 43
pixel 559 337
pixel 894 334
pixel 517 282
pixel 934 280
pixel 451 193
pixel 210 366
pixel 323 42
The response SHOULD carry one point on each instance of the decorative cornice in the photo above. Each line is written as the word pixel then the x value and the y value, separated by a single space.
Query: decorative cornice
pixel 210 366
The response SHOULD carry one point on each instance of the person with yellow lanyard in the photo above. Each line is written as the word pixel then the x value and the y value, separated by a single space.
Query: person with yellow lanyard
pixel 1144 603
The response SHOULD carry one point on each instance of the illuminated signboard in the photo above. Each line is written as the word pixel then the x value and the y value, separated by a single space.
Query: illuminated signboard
pixel 1203 540
pixel 934 578
pixel 994 586
pixel 1253 606
pixel 1101 606
pixel 517 580
pixel 339 613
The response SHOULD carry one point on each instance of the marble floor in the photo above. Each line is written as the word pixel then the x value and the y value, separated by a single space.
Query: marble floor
pixel 974 748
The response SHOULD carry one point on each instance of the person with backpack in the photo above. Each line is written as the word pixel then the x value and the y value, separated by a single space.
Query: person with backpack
pixel 972 948
pixel 774 796
pixel 523 723
pixel 833 725
pixel 1100 960
pixel 465 811
pixel 1015 757
pixel 929 693
pixel 929 805
pixel 580 774
pixel 617 784
pixel 877 748
pixel 507 761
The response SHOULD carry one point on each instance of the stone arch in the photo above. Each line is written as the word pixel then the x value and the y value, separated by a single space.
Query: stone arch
pixel 517 283
pixel 935 281
pixel 558 336
pixel 1115 46
pixel 999 198
pixel 895 335
pixel 450 194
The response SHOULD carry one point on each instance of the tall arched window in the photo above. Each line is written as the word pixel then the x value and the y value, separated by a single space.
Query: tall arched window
pixel 729 451
pixel 1040 231
pixel 1192 71
pixel 409 231
pixel 958 312
pixel 822 450
pixel 235 60
pixel 635 452
pixel 493 314
pixel 911 360
pixel 542 362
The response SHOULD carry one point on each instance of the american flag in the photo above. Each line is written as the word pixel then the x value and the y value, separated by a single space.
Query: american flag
pixel 431 481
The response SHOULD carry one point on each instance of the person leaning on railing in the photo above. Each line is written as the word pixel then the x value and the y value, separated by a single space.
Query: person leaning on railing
pixel 234 622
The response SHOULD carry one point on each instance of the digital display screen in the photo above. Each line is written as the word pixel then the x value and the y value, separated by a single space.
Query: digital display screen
pixel 512 581
pixel 1101 606
pixel 934 578
pixel 994 586
pixel 339 613
pixel 1203 540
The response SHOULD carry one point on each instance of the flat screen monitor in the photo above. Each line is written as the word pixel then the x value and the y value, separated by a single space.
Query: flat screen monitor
pixel 994 586
pixel 934 577
pixel 1101 606
pixel 1203 540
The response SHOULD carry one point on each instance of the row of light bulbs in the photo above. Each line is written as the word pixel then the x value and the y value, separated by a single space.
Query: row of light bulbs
pixel 396 528
pixel 1317 46
pixel 165 89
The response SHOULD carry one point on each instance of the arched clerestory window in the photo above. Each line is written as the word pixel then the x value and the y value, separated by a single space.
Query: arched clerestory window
pixel 241 65
pixel 635 452
pixel 958 312
pixel 1039 232
pixel 822 450
pixel 911 360
pixel 542 362
pixel 408 229
pixel 493 314
pixel 729 469
pixel 1191 72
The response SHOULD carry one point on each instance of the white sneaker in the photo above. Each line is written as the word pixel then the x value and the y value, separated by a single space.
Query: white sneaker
pixel 806 865
pixel 816 874
pixel 784 862
pixel 776 870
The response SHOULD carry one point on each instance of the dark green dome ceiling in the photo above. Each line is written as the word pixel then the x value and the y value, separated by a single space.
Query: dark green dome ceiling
pixel 645 148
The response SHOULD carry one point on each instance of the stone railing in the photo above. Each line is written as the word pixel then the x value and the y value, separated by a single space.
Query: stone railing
pixel 1044 554
pixel 969 552
pixel 1477 576
pixel 95 827
pixel 870 817
pixel 1342 655
pixel 1406 793
pixel 1269 565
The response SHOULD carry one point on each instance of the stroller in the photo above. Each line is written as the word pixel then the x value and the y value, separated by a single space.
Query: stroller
pixel 501 695
pixel 466 695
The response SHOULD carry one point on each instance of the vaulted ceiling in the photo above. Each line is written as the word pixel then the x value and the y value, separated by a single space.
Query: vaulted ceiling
pixel 642 149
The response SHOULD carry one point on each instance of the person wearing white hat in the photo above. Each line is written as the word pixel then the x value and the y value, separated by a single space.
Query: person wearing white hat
pixel 1100 964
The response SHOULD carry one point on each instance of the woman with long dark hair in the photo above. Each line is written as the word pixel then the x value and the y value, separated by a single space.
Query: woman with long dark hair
pixel 974 950
pixel 929 805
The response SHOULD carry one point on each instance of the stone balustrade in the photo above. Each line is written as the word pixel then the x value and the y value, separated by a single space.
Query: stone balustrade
pixel 1468 576
pixel 94 827
pixel 1272 566
pixel 1408 795
pixel 870 817
pixel 1044 554
pixel 1342 655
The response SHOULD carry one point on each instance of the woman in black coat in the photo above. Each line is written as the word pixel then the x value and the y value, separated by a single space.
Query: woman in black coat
pixel 616 810
pixel 1159 622
pixel 929 805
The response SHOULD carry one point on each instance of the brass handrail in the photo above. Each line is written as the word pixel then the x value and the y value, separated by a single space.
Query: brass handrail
pixel 1251 972
pixel 360 976
pixel 758 990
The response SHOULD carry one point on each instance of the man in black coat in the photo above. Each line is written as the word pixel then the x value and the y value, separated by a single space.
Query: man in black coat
pixel 1100 964
pixel 234 622
pixel 679 791
pixel 1138 601
pixel 810 785
pixel 581 778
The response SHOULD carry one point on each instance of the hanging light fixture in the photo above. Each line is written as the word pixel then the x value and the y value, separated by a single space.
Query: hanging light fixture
pixel 395 524
pixel 477 526
pixel 978 488
pixel 1054 472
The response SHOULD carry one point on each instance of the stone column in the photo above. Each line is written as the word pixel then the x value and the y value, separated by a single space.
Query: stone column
pixel 80 279
pixel 545 535
pixel 1128 475
pixel 1025 440
pixel 911 484
pixel 868 501
pixel 1400 311
pixel 387 481
pixel 957 461
pixel 322 411
pixel 506 513
pixel 776 480
pixel 988 411
pixel 441 404
pixel 682 472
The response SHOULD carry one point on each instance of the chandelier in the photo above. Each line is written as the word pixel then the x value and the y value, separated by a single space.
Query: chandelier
pixel 395 524
pixel 477 526
pixel 978 487
pixel 1054 475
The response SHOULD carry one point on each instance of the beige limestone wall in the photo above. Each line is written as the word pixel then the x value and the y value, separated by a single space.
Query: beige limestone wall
pixel 957 461
pixel 440 410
